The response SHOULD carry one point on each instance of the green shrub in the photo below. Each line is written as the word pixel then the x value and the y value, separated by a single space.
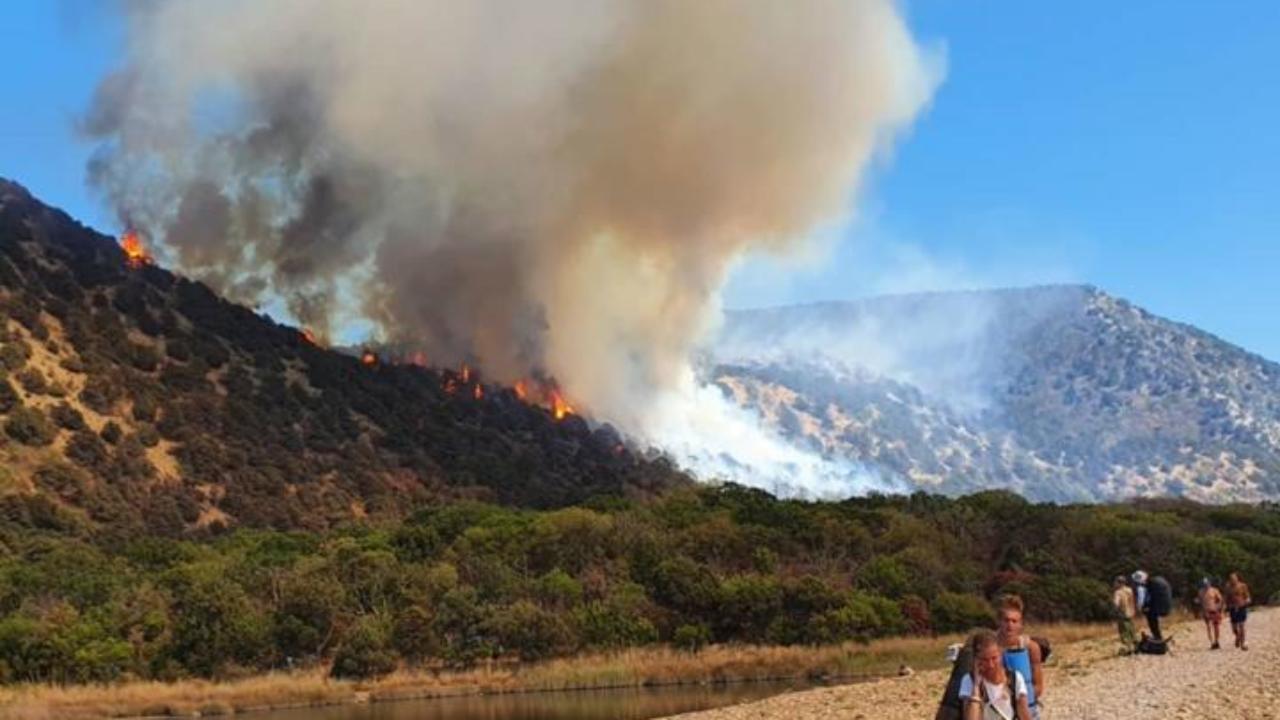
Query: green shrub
pixel 67 417
pixel 956 612
pixel 14 355
pixel 691 638
pixel 111 432
pixel 8 396
pixel 63 480
pixel 863 617
pixel 530 631
pixel 1055 599
pixel 748 605
pixel 33 381
pixel 606 625
pixel 364 652
pixel 413 634
pixel 87 450
pixel 29 427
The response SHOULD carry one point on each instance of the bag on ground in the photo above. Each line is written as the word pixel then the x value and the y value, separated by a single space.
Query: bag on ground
pixel 1151 646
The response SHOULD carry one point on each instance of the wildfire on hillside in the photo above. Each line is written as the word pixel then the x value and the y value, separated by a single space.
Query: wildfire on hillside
pixel 135 255
pixel 309 335
pixel 466 381
pixel 543 393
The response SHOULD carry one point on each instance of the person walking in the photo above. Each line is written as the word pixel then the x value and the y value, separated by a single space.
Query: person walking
pixel 1021 653
pixel 1126 610
pixel 991 691
pixel 1211 604
pixel 1238 601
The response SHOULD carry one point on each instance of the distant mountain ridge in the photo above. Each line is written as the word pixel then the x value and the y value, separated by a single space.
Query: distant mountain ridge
pixel 1060 393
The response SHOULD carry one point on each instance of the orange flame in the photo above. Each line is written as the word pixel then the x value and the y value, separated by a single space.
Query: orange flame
pixel 309 336
pixel 466 374
pixel 135 255
pixel 543 393
pixel 560 409
pixel 369 358
pixel 479 392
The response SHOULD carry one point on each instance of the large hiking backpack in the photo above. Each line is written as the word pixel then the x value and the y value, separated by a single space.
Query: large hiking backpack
pixel 950 707
pixel 1160 600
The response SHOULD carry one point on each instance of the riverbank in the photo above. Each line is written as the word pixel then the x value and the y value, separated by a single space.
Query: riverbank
pixel 629 668
pixel 1085 680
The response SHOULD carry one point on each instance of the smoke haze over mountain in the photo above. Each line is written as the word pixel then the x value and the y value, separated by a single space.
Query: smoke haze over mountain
pixel 538 189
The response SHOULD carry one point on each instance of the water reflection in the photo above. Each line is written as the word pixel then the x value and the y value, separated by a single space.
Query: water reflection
pixel 623 704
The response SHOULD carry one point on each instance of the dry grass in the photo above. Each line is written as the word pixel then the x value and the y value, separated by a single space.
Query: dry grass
pixel 32 702
pixel 629 668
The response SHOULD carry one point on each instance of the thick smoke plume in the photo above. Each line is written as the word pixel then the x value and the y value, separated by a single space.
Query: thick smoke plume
pixel 551 188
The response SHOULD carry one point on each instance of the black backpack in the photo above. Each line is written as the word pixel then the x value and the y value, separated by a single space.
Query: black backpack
pixel 951 708
pixel 1160 596
pixel 1151 646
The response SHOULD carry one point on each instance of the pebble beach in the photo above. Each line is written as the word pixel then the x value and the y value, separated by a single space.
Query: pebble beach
pixel 1086 680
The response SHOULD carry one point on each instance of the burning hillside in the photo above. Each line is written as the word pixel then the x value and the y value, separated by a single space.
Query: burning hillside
pixel 137 398
pixel 559 192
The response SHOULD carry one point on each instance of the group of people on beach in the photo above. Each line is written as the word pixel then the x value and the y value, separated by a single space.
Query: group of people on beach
pixel 1152 596
pixel 998 674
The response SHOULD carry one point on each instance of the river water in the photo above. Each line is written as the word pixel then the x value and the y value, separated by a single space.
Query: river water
pixel 618 704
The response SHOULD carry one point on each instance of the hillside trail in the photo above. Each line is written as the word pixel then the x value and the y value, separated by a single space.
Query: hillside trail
pixel 1086 681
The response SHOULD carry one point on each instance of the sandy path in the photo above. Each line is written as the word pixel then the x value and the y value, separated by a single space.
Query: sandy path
pixel 1085 681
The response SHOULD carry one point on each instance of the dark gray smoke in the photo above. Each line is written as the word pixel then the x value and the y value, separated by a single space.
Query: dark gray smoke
pixel 554 187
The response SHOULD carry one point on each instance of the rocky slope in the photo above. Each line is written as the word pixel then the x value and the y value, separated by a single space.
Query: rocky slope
pixel 1061 393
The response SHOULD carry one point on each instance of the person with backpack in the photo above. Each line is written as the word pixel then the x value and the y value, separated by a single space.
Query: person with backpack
pixel 1154 598
pixel 1021 653
pixel 990 690
pixel 1238 601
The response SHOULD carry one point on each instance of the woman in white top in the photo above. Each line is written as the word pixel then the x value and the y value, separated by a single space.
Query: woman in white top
pixel 1000 694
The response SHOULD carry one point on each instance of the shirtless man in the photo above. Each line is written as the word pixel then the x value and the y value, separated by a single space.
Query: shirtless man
pixel 1211 605
pixel 1238 602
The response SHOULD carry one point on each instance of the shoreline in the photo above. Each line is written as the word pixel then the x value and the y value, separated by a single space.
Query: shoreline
pixel 1086 679
pixel 653 667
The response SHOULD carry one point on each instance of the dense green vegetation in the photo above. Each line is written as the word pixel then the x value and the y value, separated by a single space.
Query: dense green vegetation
pixel 458 583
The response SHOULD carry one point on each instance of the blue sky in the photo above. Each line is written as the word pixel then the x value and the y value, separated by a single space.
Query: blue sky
pixel 1132 145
